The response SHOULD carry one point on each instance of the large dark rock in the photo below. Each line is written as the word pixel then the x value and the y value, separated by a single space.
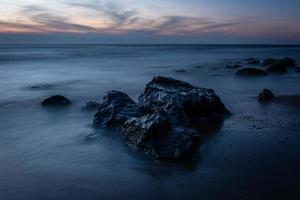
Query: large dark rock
pixel 168 121
pixel 184 102
pixel 55 100
pixel 90 106
pixel 266 96
pixel 250 71
pixel 154 134
pixel 278 67
pixel 115 109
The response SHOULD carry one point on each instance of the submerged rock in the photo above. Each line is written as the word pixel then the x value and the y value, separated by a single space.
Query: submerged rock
pixel 266 96
pixel 252 61
pixel 167 122
pixel 268 61
pixel 278 67
pixel 90 106
pixel 116 108
pixel 250 71
pixel 297 69
pixel 180 71
pixel 289 62
pixel 233 66
pixel 56 100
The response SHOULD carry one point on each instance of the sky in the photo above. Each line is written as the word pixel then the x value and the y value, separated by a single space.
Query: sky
pixel 150 21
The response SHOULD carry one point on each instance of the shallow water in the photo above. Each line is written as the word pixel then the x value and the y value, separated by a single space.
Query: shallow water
pixel 55 154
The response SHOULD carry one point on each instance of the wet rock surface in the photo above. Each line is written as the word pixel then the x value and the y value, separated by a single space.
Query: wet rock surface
pixel 90 106
pixel 116 108
pixel 167 122
pixel 266 96
pixel 250 71
pixel 56 100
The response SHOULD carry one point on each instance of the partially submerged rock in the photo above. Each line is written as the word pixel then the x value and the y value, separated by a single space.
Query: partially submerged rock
pixel 168 121
pixel 278 67
pixel 56 100
pixel 116 108
pixel 154 134
pixel 180 71
pixel 250 71
pixel 297 69
pixel 266 96
pixel 233 66
pixel 186 104
pixel 252 61
pixel 90 106
pixel 289 62
pixel 268 61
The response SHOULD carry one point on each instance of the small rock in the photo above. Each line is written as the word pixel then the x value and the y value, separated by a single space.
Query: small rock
pixel 250 71
pixel 90 106
pixel 289 62
pixel 251 61
pixel 266 96
pixel 268 61
pixel 56 100
pixel 180 71
pixel 297 69
pixel 278 67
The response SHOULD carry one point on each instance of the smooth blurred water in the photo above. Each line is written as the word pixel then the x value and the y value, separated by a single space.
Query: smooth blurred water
pixel 55 154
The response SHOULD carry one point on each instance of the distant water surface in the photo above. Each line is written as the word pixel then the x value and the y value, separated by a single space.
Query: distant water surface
pixel 55 154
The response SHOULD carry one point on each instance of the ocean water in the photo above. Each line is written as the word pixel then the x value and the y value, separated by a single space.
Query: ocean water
pixel 56 154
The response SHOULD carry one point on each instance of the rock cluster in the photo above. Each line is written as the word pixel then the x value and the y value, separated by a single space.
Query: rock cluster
pixel 168 120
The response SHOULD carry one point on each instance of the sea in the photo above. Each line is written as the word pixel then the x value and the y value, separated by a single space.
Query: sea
pixel 56 154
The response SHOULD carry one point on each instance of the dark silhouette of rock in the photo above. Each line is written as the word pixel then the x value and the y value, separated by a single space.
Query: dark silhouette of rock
pixel 297 69
pixel 252 61
pixel 169 120
pixel 56 100
pixel 90 106
pixel 115 109
pixel 266 96
pixel 289 62
pixel 278 67
pixel 268 61
pixel 250 71
pixel 180 71
pixel 233 66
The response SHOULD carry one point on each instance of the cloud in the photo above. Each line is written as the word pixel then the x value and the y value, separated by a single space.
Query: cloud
pixel 115 12
pixel 177 25
pixel 40 19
